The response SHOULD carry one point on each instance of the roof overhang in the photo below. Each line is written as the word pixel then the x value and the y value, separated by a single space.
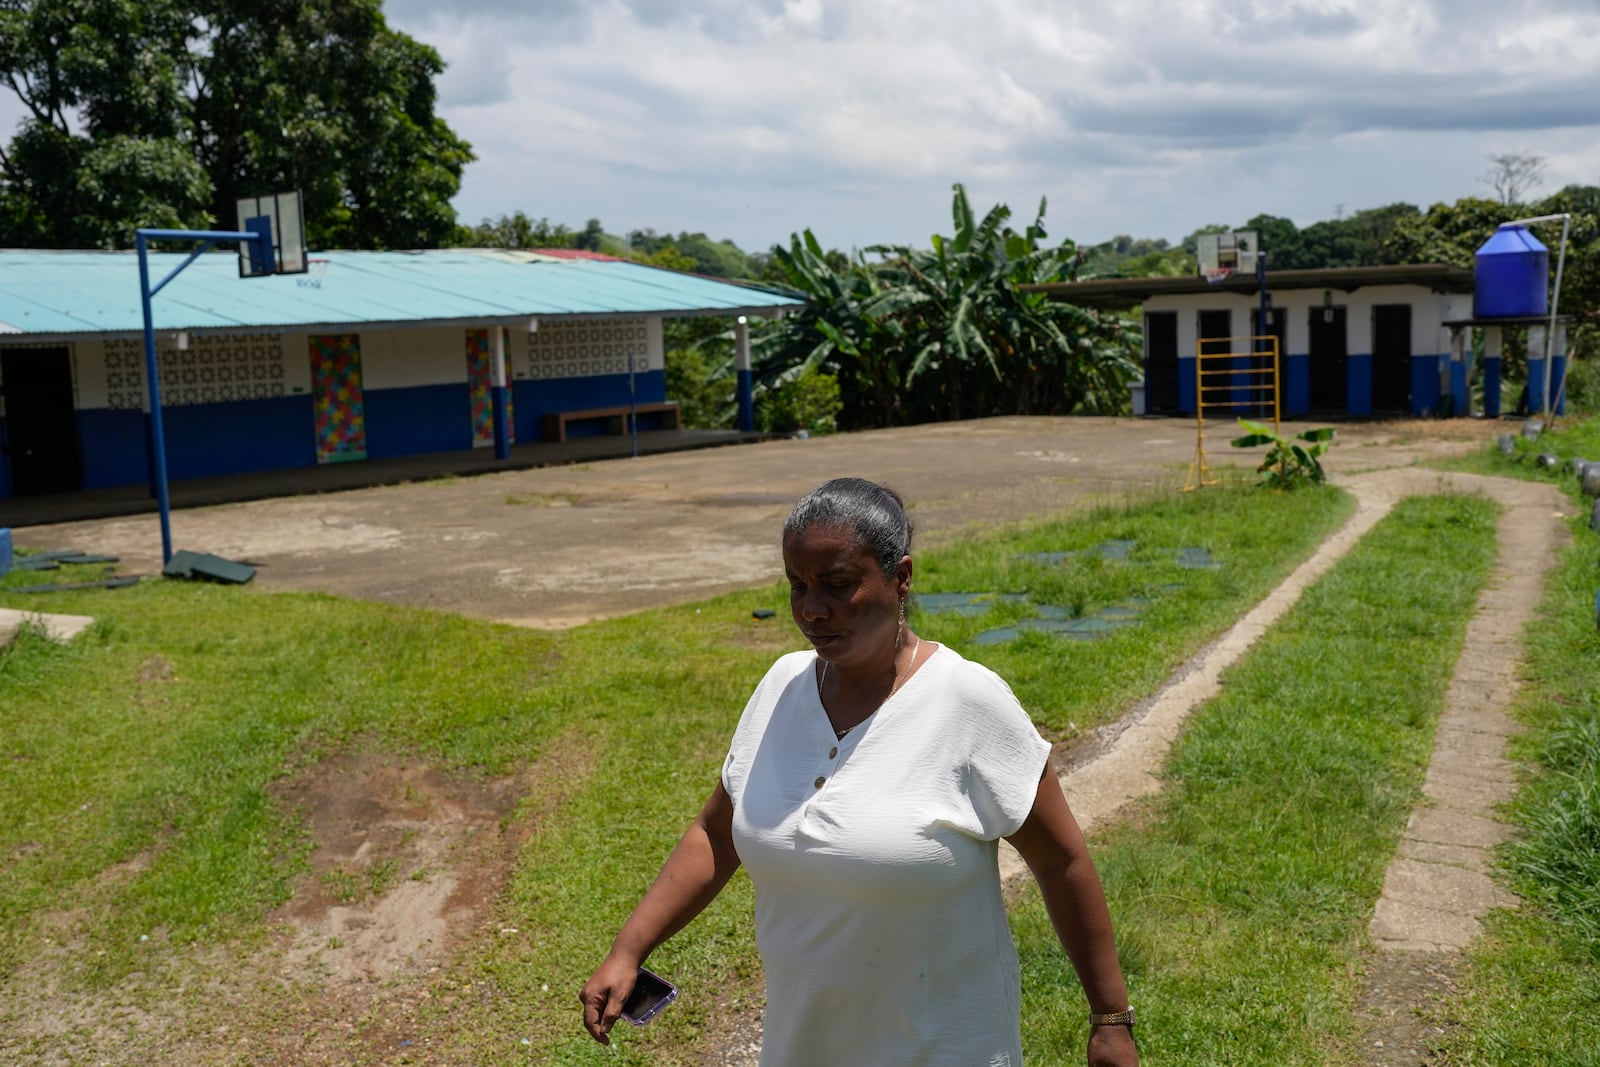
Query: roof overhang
pixel 1123 293
pixel 53 296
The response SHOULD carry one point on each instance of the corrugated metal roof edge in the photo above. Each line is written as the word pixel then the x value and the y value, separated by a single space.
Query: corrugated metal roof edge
pixel 779 300
pixel 27 338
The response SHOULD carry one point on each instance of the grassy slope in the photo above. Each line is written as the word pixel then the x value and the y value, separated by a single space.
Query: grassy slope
pixel 1067 686
pixel 1242 893
pixel 160 734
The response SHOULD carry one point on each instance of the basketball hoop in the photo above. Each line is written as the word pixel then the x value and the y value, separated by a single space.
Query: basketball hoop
pixel 316 270
pixel 1212 275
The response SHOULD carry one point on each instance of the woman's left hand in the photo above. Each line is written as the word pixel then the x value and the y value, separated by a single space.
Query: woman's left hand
pixel 1112 1046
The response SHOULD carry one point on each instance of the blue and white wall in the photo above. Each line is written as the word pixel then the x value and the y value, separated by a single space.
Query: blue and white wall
pixel 236 403
pixel 1433 376
pixel 578 364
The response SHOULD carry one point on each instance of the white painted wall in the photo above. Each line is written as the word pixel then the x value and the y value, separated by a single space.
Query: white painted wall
pixel 1429 311
pixel 89 374
pixel 578 349
pixel 390 359
pixel 400 359
pixel 110 374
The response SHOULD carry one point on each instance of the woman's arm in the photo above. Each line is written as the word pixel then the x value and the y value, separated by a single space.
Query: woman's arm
pixel 1053 846
pixel 693 875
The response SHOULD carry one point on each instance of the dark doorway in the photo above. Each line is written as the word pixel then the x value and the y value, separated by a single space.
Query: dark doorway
pixel 1277 326
pixel 41 422
pixel 1161 362
pixel 1391 358
pixel 1215 376
pixel 1330 361
pixel 1215 326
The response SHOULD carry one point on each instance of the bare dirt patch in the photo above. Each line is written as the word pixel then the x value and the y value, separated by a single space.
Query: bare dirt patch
pixel 404 856
pixel 407 866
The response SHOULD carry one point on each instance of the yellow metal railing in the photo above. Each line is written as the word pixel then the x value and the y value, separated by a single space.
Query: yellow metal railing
pixel 1234 376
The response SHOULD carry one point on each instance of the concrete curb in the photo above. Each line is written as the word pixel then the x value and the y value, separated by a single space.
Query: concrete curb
pixel 57 627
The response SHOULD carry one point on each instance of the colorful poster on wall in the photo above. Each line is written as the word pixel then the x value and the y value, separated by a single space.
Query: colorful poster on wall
pixel 479 397
pixel 336 398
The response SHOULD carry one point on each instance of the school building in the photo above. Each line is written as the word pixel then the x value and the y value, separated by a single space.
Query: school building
pixel 373 354
pixel 1358 341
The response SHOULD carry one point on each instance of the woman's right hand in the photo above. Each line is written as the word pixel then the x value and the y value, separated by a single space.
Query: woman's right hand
pixel 604 994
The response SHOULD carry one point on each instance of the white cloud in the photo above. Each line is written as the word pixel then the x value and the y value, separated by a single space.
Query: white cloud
pixel 755 118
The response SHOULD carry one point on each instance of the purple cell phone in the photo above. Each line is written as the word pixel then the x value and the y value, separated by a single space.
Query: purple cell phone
pixel 651 994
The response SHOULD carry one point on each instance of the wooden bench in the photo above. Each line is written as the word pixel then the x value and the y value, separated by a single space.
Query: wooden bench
pixel 555 423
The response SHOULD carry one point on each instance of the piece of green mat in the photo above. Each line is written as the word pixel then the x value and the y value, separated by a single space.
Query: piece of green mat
pixel 204 567
pixel 61 587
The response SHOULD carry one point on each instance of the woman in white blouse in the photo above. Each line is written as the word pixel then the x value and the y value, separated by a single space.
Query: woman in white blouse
pixel 864 791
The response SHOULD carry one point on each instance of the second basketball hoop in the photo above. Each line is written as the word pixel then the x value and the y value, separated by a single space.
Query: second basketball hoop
pixel 316 271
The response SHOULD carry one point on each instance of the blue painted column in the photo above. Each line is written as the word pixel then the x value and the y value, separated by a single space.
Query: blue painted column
pixel 741 358
pixel 497 391
pixel 1536 375
pixel 1491 372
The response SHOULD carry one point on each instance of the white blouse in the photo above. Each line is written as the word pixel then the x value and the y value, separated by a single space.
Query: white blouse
pixel 878 908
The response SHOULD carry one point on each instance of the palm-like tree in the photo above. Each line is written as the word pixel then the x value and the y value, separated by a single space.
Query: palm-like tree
pixel 941 333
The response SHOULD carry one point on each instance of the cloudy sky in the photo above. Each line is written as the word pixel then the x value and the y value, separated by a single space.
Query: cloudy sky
pixel 752 119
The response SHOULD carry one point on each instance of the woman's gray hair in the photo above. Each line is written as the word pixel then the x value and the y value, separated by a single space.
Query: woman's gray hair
pixel 874 513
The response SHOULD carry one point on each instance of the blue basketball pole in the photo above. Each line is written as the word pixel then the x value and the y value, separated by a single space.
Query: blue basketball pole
pixel 262 257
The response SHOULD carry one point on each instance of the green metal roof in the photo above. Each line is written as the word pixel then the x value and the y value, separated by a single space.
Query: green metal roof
pixel 55 295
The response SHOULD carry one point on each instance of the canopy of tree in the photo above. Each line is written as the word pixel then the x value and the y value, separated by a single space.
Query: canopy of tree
pixel 164 112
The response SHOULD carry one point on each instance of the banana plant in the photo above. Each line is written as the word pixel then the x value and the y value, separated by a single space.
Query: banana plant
pixel 1288 464
pixel 944 332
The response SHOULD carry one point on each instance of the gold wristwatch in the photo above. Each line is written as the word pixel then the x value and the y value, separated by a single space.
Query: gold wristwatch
pixel 1112 1018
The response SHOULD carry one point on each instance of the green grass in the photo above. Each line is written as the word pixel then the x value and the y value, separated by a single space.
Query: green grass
pixel 1069 686
pixel 1542 963
pixel 1242 893
pixel 1568 439
pixel 138 764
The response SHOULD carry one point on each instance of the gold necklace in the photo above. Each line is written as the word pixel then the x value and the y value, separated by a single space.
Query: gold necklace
pixel 898 682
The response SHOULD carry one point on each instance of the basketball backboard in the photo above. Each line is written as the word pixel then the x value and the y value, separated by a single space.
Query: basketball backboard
pixel 1227 251
pixel 281 216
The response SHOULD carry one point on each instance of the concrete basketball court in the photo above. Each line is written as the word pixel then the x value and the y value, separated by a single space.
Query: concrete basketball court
pixel 559 546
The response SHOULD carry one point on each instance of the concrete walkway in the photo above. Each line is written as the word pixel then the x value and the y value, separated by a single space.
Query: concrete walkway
pixel 56 627
pixel 1439 886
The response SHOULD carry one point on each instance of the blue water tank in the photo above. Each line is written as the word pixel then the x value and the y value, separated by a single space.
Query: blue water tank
pixel 1512 276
